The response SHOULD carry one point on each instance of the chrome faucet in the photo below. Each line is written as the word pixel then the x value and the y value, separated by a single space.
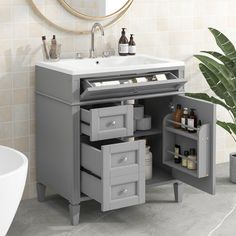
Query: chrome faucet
pixel 96 25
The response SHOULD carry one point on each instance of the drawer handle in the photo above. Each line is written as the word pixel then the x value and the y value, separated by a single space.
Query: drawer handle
pixel 123 191
pixel 124 159
pixel 113 123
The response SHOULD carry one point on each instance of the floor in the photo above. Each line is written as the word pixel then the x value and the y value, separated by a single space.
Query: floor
pixel 198 214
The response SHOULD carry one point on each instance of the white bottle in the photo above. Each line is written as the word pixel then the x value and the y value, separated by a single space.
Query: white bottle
pixel 148 163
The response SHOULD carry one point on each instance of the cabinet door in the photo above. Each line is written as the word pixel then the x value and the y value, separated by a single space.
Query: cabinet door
pixel 204 141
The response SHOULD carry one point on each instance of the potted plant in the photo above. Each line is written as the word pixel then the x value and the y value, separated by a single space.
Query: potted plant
pixel 219 70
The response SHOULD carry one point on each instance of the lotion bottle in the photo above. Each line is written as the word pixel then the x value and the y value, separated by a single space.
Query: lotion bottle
pixel 132 46
pixel 123 44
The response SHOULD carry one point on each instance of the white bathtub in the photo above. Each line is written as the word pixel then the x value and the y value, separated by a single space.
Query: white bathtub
pixel 13 172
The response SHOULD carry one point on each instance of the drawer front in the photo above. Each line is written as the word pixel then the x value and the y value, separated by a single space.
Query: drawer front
pixel 111 122
pixel 123 190
pixel 117 193
pixel 115 159
pixel 124 159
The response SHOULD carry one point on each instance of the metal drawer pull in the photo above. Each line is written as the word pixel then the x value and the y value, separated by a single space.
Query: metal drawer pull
pixel 124 191
pixel 124 159
pixel 113 123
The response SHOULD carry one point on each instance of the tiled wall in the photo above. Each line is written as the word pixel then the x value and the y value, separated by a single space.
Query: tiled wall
pixel 165 28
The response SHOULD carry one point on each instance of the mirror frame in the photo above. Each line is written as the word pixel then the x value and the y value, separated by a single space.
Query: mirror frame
pixel 117 16
pixel 74 12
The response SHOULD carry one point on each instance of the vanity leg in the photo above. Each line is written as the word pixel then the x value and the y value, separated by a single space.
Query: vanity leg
pixel 41 192
pixel 74 211
pixel 178 191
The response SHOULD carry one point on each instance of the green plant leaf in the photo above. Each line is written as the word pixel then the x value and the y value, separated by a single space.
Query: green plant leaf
pixel 219 70
pixel 224 43
pixel 224 59
pixel 232 126
pixel 224 125
pixel 216 85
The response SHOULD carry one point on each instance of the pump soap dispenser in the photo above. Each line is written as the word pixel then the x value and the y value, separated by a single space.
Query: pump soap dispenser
pixel 132 45
pixel 123 44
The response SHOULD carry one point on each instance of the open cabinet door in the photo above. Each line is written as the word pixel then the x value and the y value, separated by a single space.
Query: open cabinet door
pixel 203 141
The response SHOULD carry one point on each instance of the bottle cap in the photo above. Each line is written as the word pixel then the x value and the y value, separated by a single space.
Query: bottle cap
pixel 43 37
pixel 179 106
pixel 54 37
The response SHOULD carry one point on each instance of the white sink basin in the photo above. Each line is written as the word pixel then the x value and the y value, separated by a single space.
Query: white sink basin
pixel 109 64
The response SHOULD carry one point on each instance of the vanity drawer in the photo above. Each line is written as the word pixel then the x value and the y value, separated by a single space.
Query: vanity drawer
pixel 115 159
pixel 115 174
pixel 115 193
pixel 107 122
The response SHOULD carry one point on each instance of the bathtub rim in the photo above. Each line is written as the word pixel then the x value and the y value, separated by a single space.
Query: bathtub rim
pixel 24 164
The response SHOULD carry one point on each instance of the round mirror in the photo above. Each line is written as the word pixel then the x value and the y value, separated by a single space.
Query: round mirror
pixel 95 9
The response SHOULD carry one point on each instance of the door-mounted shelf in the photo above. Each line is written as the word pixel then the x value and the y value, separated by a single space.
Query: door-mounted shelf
pixel 199 140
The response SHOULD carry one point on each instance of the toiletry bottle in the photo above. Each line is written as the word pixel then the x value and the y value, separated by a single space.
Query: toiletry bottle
pixel 123 44
pixel 192 160
pixel 53 50
pixel 45 50
pixel 185 159
pixel 177 116
pixel 184 119
pixel 177 153
pixel 132 45
pixel 192 121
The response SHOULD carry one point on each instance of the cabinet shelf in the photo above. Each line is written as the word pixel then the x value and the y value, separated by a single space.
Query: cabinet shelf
pixel 172 164
pixel 186 134
pixel 142 133
pixel 199 140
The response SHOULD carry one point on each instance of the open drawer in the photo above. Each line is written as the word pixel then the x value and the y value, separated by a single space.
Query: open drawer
pixel 203 141
pixel 130 85
pixel 114 174
pixel 107 122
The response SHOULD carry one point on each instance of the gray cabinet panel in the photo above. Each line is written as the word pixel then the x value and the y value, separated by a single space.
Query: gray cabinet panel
pixel 108 122
pixel 204 179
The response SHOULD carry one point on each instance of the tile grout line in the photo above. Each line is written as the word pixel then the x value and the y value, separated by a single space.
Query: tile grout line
pixel 222 221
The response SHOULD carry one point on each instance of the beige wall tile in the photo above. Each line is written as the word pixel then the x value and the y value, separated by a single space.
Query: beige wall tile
pixel 20 96
pixel 5 114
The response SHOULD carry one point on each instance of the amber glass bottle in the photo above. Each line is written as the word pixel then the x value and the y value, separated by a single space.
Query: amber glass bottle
pixel 177 116
pixel 192 121
pixel 123 44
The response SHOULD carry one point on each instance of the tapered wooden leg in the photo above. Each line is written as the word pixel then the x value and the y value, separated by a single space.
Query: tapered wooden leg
pixel 41 192
pixel 74 213
pixel 178 191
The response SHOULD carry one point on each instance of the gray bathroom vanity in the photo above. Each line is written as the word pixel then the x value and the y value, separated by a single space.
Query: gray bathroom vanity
pixel 85 122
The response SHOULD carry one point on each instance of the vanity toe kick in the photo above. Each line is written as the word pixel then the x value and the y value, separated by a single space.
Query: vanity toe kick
pixel 114 175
